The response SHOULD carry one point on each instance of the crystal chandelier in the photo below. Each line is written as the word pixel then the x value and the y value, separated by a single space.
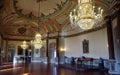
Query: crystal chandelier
pixel 24 45
pixel 86 15
pixel 37 41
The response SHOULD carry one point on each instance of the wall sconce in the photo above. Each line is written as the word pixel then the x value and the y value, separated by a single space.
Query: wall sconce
pixel 107 45
pixel 30 50
pixel 2 51
pixel 63 49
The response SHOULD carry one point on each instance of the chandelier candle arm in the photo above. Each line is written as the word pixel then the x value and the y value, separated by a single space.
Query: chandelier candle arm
pixel 86 15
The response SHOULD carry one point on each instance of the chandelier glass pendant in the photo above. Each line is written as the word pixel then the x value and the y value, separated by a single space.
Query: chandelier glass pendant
pixel 86 15
pixel 37 41
pixel 24 45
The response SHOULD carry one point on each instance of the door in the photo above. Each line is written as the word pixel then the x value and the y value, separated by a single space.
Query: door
pixel 11 53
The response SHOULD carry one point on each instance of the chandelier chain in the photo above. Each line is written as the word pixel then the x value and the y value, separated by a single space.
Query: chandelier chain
pixel 38 15
pixel 37 41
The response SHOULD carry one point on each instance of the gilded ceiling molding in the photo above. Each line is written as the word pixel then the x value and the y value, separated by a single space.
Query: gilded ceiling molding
pixel 77 34
pixel 8 8
pixel 67 22
pixel 48 26
pixel 114 8
pixel 56 24
pixel 9 18
pixel 46 30
pixel 71 5
pixel 85 32
pixel 105 2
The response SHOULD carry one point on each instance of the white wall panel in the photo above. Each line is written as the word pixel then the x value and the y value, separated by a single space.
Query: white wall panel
pixel 97 45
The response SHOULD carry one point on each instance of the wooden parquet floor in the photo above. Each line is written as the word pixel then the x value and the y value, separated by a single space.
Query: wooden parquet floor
pixel 46 69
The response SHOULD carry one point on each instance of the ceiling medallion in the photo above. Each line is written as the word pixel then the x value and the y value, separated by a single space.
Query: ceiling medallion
pixel 41 0
pixel 22 30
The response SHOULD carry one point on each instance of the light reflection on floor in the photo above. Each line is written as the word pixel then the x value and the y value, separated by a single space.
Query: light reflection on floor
pixel 44 69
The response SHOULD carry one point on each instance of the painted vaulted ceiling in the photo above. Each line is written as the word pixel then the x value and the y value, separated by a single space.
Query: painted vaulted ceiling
pixel 20 17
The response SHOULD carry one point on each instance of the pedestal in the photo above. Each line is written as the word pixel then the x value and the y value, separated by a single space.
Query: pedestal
pixel 54 60
pixel 114 67
pixel 45 60
pixel 62 57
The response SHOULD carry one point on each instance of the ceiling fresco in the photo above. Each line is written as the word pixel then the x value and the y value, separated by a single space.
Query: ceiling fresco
pixel 47 8
pixel 20 17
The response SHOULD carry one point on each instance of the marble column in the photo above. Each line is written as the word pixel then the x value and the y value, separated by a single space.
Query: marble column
pixel 62 49
pixel 47 48
pixel 5 50
pixel 0 58
pixel 110 38
pixel 47 44
pixel 0 51
pixel 116 38
pixel 58 47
